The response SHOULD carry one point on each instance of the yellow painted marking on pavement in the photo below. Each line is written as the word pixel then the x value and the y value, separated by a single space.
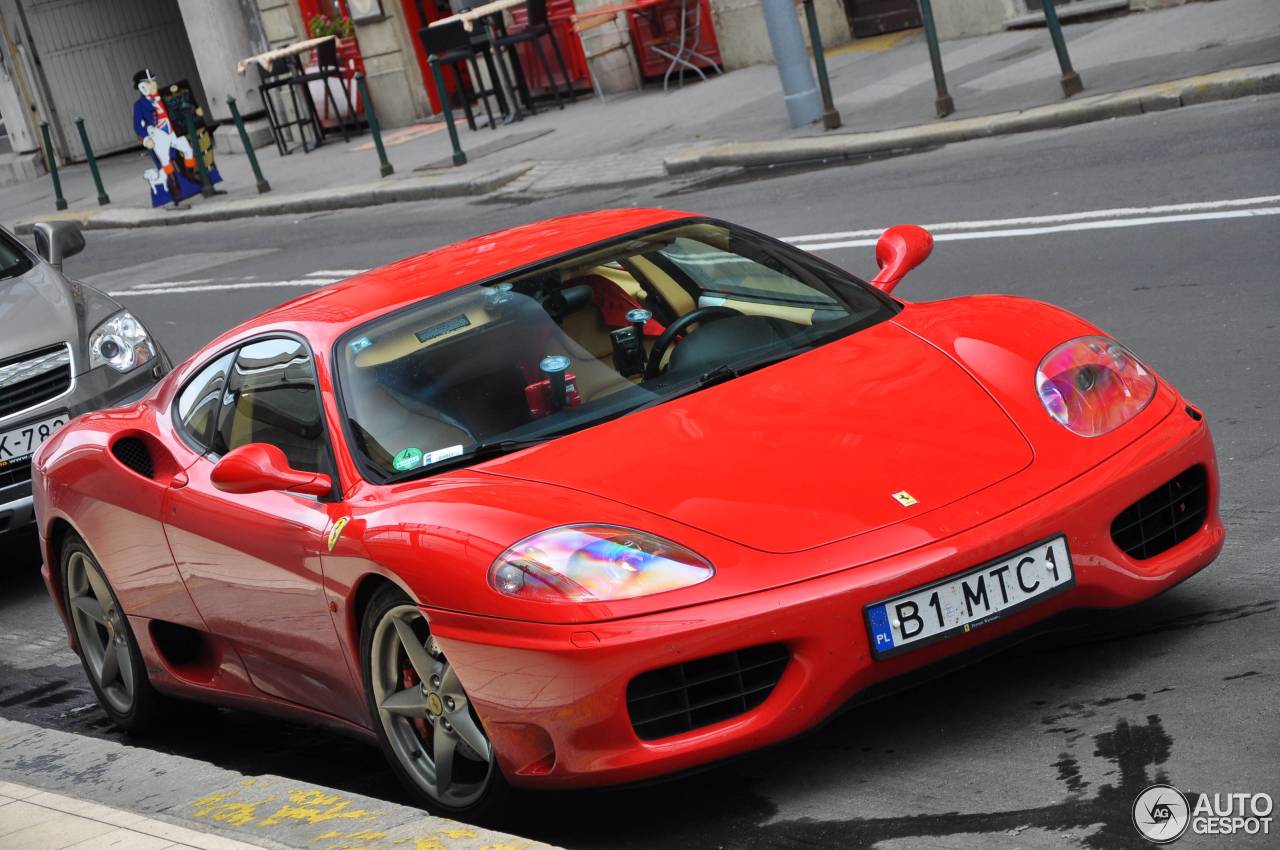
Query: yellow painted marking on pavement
pixel 216 807
pixel 428 844
pixel 312 807
pixel 874 44
pixel 460 833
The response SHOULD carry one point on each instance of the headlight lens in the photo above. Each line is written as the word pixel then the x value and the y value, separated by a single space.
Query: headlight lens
pixel 1093 385
pixel 120 342
pixel 595 563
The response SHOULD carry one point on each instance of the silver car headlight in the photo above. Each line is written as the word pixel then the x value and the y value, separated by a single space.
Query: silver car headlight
pixel 120 342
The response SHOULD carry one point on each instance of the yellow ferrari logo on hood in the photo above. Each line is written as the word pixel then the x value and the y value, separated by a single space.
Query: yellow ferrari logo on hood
pixel 336 531
pixel 904 498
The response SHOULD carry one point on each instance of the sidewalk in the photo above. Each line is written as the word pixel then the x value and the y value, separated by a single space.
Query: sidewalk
pixel 59 790
pixel 1002 83
pixel 31 819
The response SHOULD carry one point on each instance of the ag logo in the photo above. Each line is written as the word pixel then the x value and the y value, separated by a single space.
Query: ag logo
pixel 336 531
pixel 1161 814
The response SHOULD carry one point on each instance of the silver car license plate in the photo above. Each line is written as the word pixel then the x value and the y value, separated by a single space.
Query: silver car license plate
pixel 968 600
pixel 21 441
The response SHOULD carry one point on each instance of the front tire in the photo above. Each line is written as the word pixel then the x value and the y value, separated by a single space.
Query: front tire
pixel 426 725
pixel 105 641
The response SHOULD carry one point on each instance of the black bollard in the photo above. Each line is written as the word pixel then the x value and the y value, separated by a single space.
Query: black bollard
pixel 459 158
pixel 1071 82
pixel 943 104
pixel 52 161
pixel 263 185
pixel 830 117
pixel 103 200
pixel 384 166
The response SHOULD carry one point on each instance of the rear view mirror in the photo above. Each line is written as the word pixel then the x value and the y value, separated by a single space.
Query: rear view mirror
pixel 899 250
pixel 260 468
pixel 57 240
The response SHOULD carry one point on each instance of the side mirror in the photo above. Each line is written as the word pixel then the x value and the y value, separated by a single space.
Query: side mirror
pixel 899 250
pixel 260 468
pixel 57 240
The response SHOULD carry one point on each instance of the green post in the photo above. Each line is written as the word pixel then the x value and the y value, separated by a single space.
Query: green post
pixel 206 185
pixel 103 200
pixel 830 117
pixel 384 166
pixel 943 104
pixel 1071 83
pixel 263 185
pixel 459 158
pixel 51 160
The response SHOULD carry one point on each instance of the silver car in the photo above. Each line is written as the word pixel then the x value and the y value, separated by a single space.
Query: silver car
pixel 65 349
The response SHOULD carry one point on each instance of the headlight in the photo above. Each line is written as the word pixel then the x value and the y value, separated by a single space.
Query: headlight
pixel 120 342
pixel 595 563
pixel 1093 385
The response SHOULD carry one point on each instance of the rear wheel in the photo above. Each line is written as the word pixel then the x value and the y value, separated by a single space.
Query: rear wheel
pixel 426 724
pixel 105 641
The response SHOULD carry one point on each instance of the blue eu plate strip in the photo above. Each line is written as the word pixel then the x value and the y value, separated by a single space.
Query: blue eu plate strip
pixel 880 631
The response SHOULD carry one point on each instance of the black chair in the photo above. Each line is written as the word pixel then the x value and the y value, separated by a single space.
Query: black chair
pixel 450 45
pixel 280 76
pixel 536 28
pixel 328 68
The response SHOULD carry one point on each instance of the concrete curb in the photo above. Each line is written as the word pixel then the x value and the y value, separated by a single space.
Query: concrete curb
pixel 269 811
pixel 1221 85
pixel 416 188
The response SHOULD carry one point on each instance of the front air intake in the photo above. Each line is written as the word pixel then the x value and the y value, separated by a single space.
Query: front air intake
pixel 1164 517
pixel 134 454
pixel 683 697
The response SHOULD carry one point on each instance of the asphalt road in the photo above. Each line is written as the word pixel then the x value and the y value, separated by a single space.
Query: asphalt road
pixel 1044 745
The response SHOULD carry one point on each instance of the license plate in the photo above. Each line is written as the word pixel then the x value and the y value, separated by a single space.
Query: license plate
pixel 971 599
pixel 20 442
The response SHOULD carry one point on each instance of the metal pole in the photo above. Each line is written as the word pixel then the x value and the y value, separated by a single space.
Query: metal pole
pixel 830 117
pixel 459 158
pixel 51 160
pixel 206 186
pixel 799 91
pixel 1071 83
pixel 384 167
pixel 943 104
pixel 263 185
pixel 103 200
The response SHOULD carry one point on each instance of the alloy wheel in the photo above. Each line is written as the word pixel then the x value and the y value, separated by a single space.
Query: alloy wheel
pixel 428 720
pixel 101 632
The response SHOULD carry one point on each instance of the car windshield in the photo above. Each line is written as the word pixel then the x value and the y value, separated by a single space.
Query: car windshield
pixel 541 353
pixel 13 260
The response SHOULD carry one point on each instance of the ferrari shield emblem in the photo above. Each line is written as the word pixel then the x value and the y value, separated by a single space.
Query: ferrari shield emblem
pixel 336 531
pixel 904 498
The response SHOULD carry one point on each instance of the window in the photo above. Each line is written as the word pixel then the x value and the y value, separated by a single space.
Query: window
pixel 743 272
pixel 271 398
pixel 199 401
pixel 13 260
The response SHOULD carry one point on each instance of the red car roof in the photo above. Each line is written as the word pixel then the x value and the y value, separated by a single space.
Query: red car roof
pixel 331 311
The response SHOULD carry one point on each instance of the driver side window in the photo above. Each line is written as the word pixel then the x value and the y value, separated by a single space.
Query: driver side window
pixel 271 397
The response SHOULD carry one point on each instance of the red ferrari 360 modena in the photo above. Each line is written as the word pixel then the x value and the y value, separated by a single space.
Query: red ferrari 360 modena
pixel 607 497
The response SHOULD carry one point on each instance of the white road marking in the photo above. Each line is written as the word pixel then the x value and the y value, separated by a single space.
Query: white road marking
pixel 178 288
pixel 1049 219
pixel 338 273
pixel 1105 224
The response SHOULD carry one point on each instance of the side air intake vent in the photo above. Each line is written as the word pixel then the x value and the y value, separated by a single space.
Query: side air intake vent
pixel 134 454
pixel 1164 517
pixel 699 693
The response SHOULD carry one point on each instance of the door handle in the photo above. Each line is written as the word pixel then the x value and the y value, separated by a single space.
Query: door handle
pixel 179 480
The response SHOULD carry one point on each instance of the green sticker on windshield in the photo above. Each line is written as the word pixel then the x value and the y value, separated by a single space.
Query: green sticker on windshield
pixel 407 459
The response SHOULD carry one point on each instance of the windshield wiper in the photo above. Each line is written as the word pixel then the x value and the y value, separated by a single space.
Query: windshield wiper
pixel 729 371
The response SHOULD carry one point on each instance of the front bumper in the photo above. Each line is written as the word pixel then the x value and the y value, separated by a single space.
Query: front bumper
pixel 553 697
pixel 93 390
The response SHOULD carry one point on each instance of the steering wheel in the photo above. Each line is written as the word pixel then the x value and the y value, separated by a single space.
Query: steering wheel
pixel 701 314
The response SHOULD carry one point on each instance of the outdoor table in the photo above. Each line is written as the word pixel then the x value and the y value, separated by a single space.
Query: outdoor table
pixel 486 14
pixel 292 52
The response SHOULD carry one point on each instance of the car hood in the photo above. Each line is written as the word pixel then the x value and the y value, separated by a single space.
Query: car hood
pixel 859 434
pixel 39 309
